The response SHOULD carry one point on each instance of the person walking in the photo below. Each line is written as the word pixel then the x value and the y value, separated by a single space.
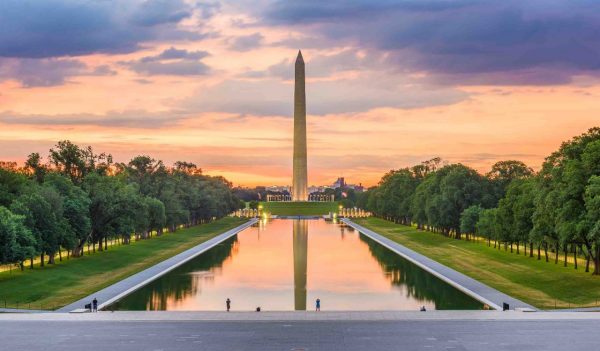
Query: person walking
pixel 228 304
pixel 318 303
pixel 95 305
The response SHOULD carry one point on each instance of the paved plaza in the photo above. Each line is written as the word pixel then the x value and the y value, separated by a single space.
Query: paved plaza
pixel 475 330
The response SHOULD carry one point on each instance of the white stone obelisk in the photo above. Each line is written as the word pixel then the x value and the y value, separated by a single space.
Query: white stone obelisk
pixel 299 181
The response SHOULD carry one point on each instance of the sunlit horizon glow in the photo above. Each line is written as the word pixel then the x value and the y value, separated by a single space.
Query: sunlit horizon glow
pixel 212 83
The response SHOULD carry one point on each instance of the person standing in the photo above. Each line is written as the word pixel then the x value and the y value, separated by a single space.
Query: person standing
pixel 318 303
pixel 95 305
pixel 228 304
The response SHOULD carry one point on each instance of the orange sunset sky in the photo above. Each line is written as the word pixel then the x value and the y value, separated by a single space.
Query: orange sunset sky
pixel 212 82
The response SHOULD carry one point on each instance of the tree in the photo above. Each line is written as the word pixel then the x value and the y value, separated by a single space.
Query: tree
pixel 426 167
pixel 80 198
pixel 469 219
pixel 592 224
pixel 16 241
pixel 35 167
pixel 12 184
pixel 560 209
pixel 42 213
pixel 156 215
pixel 76 162
pixel 423 193
pixel 523 209
pixel 397 189
pixel 486 225
pixel 544 217
pixel 187 167
pixel 112 209
pixel 142 171
pixel 504 172
pixel 515 211
pixel 68 159
pixel 141 218
pixel 450 191
pixel 76 207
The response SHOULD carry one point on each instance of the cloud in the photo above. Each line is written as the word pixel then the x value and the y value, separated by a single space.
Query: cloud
pixel 246 42
pixel 47 72
pixel 104 70
pixel 152 13
pixel 143 81
pixel 178 68
pixel 346 81
pixel 171 62
pixel 55 28
pixel 489 42
pixel 273 97
pixel 324 65
pixel 35 73
pixel 123 119
pixel 208 9
pixel 173 54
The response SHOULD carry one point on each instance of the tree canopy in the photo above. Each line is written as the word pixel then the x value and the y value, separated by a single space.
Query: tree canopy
pixel 79 198
pixel 554 209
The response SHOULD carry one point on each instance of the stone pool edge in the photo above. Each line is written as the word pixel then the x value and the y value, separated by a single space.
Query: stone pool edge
pixel 462 282
pixel 118 290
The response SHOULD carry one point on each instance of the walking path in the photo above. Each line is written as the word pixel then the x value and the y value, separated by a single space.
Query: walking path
pixel 469 286
pixel 116 291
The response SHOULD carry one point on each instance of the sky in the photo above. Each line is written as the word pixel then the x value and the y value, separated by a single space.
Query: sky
pixel 389 83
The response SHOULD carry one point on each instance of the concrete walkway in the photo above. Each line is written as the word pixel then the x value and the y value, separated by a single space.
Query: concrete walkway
pixel 116 291
pixel 350 335
pixel 469 286
pixel 158 316
pixel 21 310
pixel 581 309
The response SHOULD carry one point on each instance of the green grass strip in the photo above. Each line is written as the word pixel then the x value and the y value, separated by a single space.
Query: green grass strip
pixel 299 208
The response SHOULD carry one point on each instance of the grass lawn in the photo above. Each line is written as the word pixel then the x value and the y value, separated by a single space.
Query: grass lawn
pixel 538 283
pixel 300 208
pixel 54 286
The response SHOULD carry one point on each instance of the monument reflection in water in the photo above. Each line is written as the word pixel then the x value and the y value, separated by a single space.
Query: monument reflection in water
pixel 287 264
pixel 300 263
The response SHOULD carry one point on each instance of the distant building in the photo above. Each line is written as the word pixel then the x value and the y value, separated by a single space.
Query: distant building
pixel 317 189
pixel 278 189
pixel 339 183
pixel 358 188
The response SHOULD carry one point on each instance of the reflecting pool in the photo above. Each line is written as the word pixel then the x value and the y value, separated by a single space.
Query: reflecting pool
pixel 286 264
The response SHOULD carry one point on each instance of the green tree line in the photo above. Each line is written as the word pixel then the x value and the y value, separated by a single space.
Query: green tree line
pixel 80 198
pixel 556 209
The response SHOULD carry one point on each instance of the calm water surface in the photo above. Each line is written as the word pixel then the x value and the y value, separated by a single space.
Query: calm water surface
pixel 285 264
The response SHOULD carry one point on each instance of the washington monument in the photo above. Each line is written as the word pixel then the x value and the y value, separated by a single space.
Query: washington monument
pixel 299 182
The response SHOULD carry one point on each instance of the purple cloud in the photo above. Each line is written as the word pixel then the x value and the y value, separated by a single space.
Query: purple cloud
pixel 491 42
pixel 171 62
pixel 246 42
pixel 119 119
pixel 55 28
